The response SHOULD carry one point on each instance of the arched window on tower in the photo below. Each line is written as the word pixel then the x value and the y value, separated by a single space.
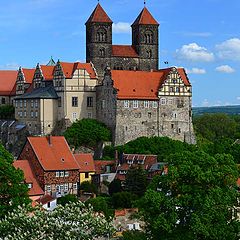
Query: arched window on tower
pixel 101 35
pixel 102 52
pixel 148 37
pixel 149 53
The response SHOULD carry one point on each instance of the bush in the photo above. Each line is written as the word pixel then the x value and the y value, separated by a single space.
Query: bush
pixel 70 198
pixel 89 187
pixel 123 200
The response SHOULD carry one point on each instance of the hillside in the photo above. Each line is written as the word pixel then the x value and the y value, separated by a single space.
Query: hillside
pixel 231 110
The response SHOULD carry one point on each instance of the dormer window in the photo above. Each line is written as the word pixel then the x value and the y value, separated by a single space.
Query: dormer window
pixel 30 185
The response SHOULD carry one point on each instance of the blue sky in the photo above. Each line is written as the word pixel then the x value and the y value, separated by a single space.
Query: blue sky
pixel 202 36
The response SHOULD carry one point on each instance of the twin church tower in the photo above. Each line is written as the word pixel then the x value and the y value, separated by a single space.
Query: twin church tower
pixel 143 54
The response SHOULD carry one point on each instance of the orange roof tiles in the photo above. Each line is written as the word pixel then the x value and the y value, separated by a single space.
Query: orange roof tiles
pixel 99 15
pixel 45 199
pixel 69 68
pixel 124 51
pixel 100 165
pixel 53 153
pixel 7 81
pixel 47 72
pixel 137 84
pixel 184 77
pixel 145 18
pixel 29 177
pixel 85 162
pixel 28 74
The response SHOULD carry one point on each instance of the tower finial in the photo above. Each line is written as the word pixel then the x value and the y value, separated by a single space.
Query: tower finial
pixel 144 3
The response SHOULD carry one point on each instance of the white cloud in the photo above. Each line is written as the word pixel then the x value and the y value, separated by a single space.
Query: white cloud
pixel 196 71
pixel 205 103
pixel 230 49
pixel 121 27
pixel 10 66
pixel 194 52
pixel 238 98
pixel 225 69
pixel 195 34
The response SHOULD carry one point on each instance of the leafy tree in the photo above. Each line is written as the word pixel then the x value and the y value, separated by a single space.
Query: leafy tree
pixel 194 200
pixel 115 186
pixel 70 198
pixel 136 181
pixel 123 200
pixel 101 204
pixel 89 187
pixel 7 112
pixel 87 132
pixel 215 126
pixel 74 221
pixel 13 191
pixel 134 235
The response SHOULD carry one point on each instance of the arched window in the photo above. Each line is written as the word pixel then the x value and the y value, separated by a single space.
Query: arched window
pixel 149 53
pixel 148 37
pixel 101 35
pixel 102 52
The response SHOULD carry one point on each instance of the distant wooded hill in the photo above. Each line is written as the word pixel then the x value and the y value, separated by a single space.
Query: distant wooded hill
pixel 231 110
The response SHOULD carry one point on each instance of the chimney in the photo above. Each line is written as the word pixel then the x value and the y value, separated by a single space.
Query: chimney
pixel 49 139
pixel 73 150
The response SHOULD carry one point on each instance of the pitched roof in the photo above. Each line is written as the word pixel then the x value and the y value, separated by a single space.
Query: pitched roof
pixel 124 51
pixel 99 15
pixel 29 177
pixel 28 74
pixel 142 84
pixel 70 68
pixel 137 84
pixel 51 62
pixel 85 162
pixel 100 165
pixel 145 18
pixel 53 153
pixel 45 199
pixel 39 93
pixel 7 81
pixel 47 72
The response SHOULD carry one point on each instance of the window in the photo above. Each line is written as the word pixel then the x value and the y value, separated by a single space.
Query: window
pixel 48 188
pixel 170 101
pixel 57 188
pixel 36 114
pixel 62 188
pixel 32 114
pixel 102 52
pixel 75 186
pixel 49 204
pixel 66 186
pixel 25 103
pixel 146 104
pixel 149 115
pixel 32 103
pixel 61 174
pixel 174 80
pixel 74 116
pixel 172 126
pixel 149 53
pixel 36 103
pixel 148 37
pixel 163 101
pixel 126 104
pixel 29 185
pixel 21 104
pixel 103 104
pixel 171 89
pixel 20 113
pixel 66 174
pixel 89 101
pixel 89 115
pixel 179 130
pixel 3 100
pixel 135 103
pixel 16 103
pixel 74 101
pixel 25 114
pixel 57 174
pixel 155 104
pixel 177 89
pixel 86 175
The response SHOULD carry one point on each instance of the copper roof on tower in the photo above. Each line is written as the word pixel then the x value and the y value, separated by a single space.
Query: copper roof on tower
pixel 145 18
pixel 99 15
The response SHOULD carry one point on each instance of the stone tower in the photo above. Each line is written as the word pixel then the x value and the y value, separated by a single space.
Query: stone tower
pixel 145 40
pixel 99 39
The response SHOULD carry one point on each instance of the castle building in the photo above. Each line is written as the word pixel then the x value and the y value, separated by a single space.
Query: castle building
pixel 141 55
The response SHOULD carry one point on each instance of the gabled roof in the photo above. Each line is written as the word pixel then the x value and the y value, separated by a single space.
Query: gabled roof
pixel 45 199
pixel 7 81
pixel 145 18
pixel 124 51
pixel 100 165
pixel 142 84
pixel 28 74
pixel 51 62
pixel 29 177
pixel 53 153
pixel 99 15
pixel 47 72
pixel 70 68
pixel 85 162
pixel 39 93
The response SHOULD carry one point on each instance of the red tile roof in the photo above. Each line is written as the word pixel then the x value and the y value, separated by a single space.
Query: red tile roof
pixel 47 72
pixel 28 74
pixel 99 15
pixel 85 162
pixel 29 177
pixel 141 84
pixel 145 18
pixel 69 68
pixel 100 165
pixel 45 199
pixel 7 81
pixel 124 51
pixel 53 153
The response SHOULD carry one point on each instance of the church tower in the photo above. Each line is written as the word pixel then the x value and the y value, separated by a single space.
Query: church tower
pixel 99 39
pixel 145 40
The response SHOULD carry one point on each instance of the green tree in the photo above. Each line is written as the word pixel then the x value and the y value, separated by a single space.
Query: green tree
pixel 136 181
pixel 7 112
pixel 194 200
pixel 134 235
pixel 115 186
pixel 87 132
pixel 13 191
pixel 123 200
pixel 70 198
pixel 89 187
pixel 70 222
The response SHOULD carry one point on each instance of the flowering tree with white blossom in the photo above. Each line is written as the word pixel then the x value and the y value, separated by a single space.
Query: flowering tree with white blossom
pixel 73 221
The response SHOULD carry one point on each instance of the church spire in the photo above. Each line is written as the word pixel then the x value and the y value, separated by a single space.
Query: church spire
pixel 99 15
